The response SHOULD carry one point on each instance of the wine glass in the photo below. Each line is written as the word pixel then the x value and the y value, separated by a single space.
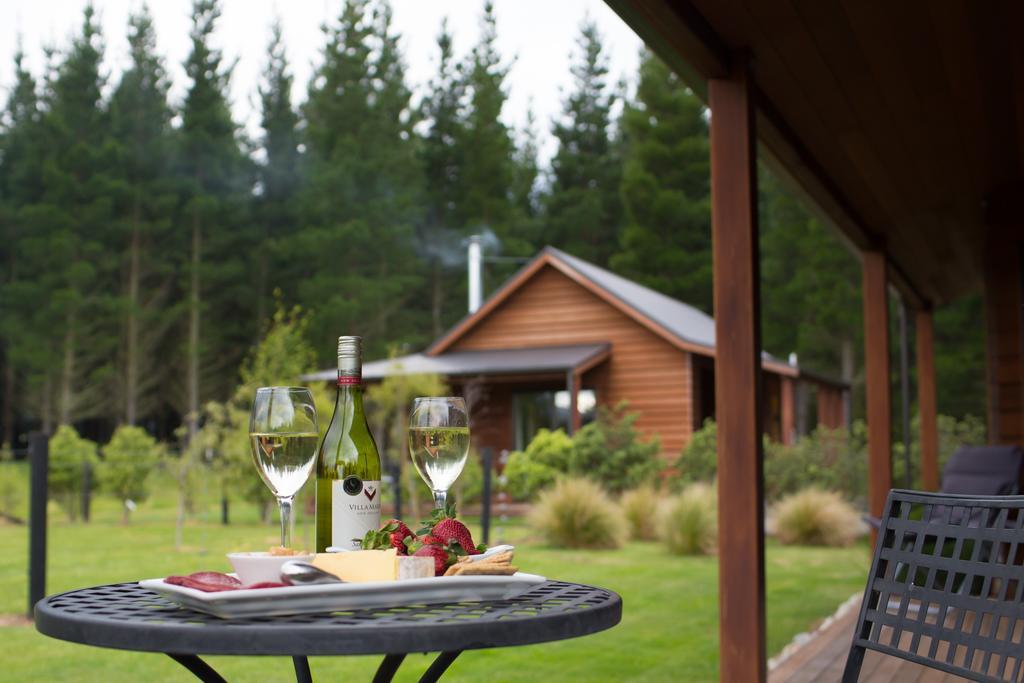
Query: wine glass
pixel 283 436
pixel 439 442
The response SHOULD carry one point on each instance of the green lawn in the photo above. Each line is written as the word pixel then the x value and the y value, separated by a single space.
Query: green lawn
pixel 668 630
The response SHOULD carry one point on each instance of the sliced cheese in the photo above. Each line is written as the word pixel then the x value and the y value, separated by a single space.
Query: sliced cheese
pixel 360 566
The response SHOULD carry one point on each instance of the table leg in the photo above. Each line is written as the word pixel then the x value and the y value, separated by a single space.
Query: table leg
pixel 201 669
pixel 440 665
pixel 387 669
pixel 302 673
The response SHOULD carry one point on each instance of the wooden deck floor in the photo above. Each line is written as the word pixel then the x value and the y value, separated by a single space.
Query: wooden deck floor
pixel 823 657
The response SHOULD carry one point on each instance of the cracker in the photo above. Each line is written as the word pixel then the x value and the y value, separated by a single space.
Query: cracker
pixel 483 569
pixel 499 558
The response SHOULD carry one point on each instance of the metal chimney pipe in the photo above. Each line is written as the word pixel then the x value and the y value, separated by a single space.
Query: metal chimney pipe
pixel 476 283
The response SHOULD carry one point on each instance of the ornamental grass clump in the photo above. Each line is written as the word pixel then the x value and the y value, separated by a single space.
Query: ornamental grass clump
pixel 690 523
pixel 640 510
pixel 815 517
pixel 578 513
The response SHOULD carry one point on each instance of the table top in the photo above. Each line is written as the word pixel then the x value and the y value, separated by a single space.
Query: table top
pixel 128 617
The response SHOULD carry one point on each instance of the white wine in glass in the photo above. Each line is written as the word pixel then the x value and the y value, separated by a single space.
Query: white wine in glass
pixel 283 437
pixel 439 442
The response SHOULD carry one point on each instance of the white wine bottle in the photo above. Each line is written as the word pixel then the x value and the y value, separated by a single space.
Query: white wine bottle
pixel 348 466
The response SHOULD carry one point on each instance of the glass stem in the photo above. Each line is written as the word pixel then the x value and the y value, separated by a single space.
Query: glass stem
pixel 440 499
pixel 286 521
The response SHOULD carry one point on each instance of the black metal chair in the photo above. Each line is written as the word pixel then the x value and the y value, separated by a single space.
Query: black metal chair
pixel 946 586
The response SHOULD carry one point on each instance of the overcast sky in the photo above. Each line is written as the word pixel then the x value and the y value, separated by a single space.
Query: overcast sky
pixel 539 34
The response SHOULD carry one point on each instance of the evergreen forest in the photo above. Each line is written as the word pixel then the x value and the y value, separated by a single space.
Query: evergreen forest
pixel 145 241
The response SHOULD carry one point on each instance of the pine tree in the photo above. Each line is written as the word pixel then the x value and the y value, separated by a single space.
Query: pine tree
pixel 140 121
pixel 20 187
pixel 215 183
pixel 361 203
pixel 488 149
pixel 279 174
pixel 528 228
pixel 810 294
pixel 73 220
pixel 441 154
pixel 583 208
pixel 666 241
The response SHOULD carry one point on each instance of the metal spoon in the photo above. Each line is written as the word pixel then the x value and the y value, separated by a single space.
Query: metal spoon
pixel 296 573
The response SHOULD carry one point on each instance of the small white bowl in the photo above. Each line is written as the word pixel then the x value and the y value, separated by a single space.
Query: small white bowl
pixel 259 567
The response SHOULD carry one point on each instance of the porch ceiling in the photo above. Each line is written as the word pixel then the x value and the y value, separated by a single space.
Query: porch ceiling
pixel 902 122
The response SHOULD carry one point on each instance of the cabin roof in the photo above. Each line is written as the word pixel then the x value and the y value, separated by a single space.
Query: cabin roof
pixel 490 362
pixel 687 322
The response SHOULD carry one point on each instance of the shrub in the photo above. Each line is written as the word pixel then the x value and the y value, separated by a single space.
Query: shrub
pixel 831 459
pixel 610 450
pixel 578 513
pixel 640 510
pixel 69 456
pixel 815 517
pixel 546 457
pixel 690 523
pixel 127 462
pixel 699 459
pixel 12 486
pixel 469 487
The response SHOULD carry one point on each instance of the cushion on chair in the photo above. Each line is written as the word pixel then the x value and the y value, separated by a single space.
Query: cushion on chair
pixel 983 471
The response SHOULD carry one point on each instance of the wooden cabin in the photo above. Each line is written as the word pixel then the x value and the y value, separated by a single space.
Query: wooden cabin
pixel 564 336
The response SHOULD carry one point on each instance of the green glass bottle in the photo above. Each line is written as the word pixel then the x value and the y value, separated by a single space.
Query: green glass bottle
pixel 348 466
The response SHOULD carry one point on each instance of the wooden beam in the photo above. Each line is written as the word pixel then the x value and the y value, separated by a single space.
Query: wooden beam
pixel 1004 337
pixel 929 437
pixel 879 394
pixel 737 377
pixel 680 35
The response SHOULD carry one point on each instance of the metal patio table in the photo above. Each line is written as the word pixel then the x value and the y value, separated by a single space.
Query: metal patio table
pixel 126 616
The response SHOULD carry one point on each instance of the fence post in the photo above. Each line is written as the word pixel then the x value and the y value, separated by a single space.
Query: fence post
pixel 86 489
pixel 396 475
pixel 39 455
pixel 485 511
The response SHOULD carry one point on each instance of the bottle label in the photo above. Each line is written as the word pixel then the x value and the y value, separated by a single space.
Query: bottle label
pixel 355 509
pixel 350 380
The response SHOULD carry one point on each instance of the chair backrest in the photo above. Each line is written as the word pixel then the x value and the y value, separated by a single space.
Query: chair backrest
pixel 984 471
pixel 946 585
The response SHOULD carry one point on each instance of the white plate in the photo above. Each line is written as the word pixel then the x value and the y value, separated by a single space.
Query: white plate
pixel 273 602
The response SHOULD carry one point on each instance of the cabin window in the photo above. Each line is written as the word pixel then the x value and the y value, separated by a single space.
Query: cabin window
pixel 536 410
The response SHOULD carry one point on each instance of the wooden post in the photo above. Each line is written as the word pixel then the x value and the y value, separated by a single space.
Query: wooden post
pixel 929 436
pixel 787 386
pixel 879 395
pixel 572 385
pixel 737 377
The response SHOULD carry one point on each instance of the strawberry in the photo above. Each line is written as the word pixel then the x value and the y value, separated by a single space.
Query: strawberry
pixel 444 556
pixel 392 534
pixel 399 534
pixel 453 531
pixel 444 528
